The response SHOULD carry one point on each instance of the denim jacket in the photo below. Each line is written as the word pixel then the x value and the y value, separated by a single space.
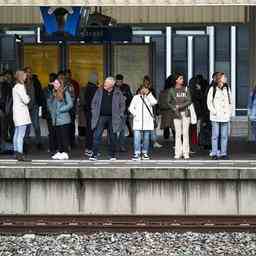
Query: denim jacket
pixel 252 106
pixel 59 110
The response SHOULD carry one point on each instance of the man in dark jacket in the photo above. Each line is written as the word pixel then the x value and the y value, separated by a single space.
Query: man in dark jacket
pixel 89 93
pixel 126 91
pixel 108 107
pixel 37 99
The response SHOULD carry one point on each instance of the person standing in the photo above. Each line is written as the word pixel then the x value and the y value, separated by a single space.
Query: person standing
pixel 59 105
pixel 219 105
pixel 108 107
pixel 252 112
pixel 21 116
pixel 179 102
pixel 90 90
pixel 36 94
pixel 141 109
pixel 125 89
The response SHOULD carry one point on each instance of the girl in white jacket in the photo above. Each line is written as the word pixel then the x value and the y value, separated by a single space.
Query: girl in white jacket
pixel 219 105
pixel 21 115
pixel 143 121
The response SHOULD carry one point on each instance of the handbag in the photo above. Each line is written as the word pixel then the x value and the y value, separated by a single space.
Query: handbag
pixel 193 117
pixel 154 119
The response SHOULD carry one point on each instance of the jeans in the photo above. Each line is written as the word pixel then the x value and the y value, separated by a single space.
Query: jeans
pixel 182 128
pixel 141 141
pixel 253 124
pixel 34 114
pixel 104 122
pixel 18 138
pixel 219 129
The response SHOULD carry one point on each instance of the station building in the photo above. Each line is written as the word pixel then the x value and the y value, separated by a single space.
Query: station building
pixel 190 37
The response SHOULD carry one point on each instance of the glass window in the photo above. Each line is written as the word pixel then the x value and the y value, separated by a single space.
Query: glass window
pixel 242 74
pixel 222 50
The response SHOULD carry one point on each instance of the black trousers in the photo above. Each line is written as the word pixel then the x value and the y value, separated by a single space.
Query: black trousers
pixel 63 140
pixel 52 136
pixel 89 133
pixel 104 122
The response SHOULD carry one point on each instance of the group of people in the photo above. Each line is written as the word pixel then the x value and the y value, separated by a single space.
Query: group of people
pixel 194 112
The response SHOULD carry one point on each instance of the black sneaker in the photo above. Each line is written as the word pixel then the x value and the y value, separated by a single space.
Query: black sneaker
pixel 136 157
pixel 145 156
pixel 214 157
pixel 224 157
pixel 93 158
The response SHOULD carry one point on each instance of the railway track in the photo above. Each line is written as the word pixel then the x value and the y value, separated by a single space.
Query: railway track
pixel 13 224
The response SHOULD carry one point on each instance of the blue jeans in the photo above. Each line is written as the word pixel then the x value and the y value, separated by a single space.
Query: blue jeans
pixel 104 121
pixel 141 141
pixel 253 124
pixel 219 129
pixel 18 138
pixel 34 114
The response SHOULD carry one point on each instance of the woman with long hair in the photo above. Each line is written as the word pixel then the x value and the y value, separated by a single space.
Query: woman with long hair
pixel 219 105
pixel 21 116
pixel 179 102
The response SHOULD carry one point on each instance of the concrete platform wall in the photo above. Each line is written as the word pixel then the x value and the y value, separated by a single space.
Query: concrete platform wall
pixel 127 191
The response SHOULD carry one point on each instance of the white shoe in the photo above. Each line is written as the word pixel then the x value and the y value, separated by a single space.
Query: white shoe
pixel 157 145
pixel 64 156
pixel 186 157
pixel 56 156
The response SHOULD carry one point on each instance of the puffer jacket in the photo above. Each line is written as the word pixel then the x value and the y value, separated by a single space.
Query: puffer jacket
pixel 252 106
pixel 219 106
pixel 60 110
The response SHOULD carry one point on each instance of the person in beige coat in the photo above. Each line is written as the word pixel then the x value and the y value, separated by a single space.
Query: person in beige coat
pixel 21 116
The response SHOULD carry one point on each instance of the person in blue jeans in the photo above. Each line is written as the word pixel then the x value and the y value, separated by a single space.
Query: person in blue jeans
pixel 21 116
pixel 219 105
pixel 252 112
pixel 141 109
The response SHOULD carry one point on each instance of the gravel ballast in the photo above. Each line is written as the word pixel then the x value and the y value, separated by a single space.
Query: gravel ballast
pixel 135 244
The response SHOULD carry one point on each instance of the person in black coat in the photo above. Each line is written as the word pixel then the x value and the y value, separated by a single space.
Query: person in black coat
pixel 89 93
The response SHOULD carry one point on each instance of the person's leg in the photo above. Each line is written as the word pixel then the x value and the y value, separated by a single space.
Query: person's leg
pixel 58 137
pixel 178 143
pixel 121 137
pixel 224 138
pixel 72 128
pixel 137 142
pixel 215 138
pixel 253 125
pixel 166 133
pixel 64 131
pixel 36 124
pixel 89 133
pixel 185 129
pixel 146 137
pixel 112 138
pixel 20 137
pixel 98 134
pixel 15 139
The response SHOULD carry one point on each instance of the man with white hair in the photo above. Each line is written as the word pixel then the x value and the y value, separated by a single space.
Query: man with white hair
pixel 108 107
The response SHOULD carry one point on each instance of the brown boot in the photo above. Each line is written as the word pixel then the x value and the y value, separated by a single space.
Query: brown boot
pixel 20 157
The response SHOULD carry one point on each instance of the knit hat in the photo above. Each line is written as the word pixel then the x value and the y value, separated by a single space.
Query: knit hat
pixel 56 84
pixel 93 78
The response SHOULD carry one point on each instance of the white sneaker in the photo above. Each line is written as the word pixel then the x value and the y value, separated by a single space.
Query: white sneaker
pixel 157 145
pixel 56 156
pixel 64 156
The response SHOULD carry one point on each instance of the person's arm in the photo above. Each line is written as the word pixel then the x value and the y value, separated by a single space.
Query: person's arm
pixel 171 100
pixel 68 103
pixel 23 94
pixel 210 104
pixel 152 100
pixel 94 101
pixel 122 104
pixel 187 102
pixel 132 107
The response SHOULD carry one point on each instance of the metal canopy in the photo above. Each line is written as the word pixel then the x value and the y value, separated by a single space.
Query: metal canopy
pixel 125 2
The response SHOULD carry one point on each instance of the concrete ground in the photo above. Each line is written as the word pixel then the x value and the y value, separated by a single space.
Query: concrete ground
pixel 239 149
